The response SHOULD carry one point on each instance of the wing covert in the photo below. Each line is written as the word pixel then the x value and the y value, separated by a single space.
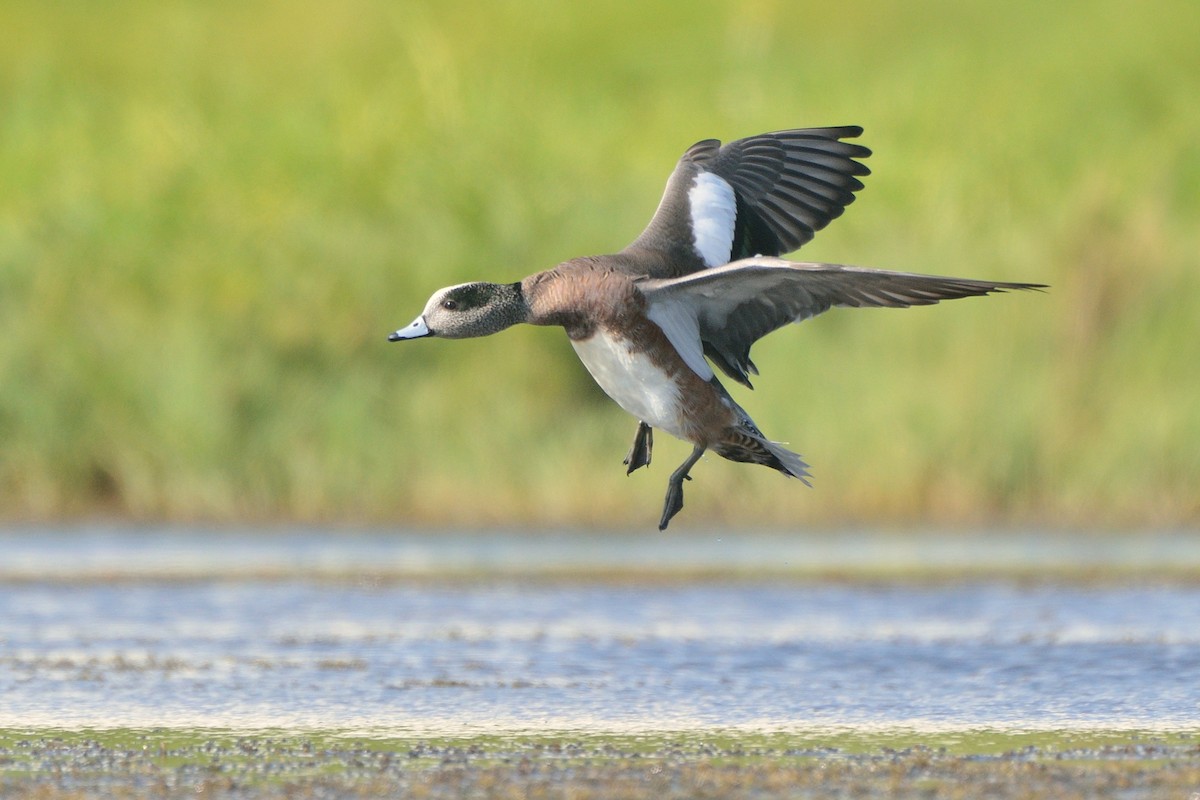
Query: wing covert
pixel 762 195
pixel 739 303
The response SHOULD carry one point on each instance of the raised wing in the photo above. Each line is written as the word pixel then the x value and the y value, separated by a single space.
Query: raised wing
pixel 763 195
pixel 737 304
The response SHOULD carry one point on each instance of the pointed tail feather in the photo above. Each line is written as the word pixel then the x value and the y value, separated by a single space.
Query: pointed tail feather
pixel 751 447
pixel 789 463
pixel 745 442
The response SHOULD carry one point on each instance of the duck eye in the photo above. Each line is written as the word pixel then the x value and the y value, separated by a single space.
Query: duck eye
pixel 449 305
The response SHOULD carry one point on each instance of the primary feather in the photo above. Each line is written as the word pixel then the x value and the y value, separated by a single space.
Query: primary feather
pixel 737 304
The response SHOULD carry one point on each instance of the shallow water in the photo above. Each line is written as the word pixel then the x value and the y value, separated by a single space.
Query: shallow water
pixel 97 629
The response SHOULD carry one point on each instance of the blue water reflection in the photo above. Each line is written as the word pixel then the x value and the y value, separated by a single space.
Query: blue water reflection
pixel 514 653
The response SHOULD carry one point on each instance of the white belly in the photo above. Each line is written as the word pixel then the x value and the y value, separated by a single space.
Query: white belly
pixel 637 384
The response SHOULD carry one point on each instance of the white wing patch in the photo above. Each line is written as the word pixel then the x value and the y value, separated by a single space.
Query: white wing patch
pixel 714 212
pixel 678 321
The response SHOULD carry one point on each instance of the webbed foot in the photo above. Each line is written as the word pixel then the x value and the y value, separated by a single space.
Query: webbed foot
pixel 674 500
pixel 639 451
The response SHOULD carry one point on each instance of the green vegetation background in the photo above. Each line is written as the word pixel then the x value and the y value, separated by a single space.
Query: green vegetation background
pixel 212 213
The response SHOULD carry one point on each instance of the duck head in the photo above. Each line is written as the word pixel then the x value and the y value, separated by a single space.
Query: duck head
pixel 467 310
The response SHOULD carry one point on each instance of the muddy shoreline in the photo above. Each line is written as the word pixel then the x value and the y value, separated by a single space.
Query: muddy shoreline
pixel 50 764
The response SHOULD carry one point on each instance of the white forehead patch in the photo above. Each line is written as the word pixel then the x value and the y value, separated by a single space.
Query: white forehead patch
pixel 714 212
pixel 439 295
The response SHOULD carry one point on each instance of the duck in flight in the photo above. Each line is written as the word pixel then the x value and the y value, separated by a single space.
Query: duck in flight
pixel 699 286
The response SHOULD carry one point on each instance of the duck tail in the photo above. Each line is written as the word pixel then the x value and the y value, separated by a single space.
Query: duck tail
pixel 745 442
pixel 747 445
pixel 787 462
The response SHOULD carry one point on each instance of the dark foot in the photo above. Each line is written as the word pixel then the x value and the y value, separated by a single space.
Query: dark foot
pixel 673 504
pixel 674 499
pixel 639 451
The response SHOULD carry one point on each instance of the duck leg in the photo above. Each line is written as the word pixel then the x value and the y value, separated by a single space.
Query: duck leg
pixel 674 500
pixel 639 451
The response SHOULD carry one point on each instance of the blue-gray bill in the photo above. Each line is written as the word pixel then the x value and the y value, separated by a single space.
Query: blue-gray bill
pixel 416 330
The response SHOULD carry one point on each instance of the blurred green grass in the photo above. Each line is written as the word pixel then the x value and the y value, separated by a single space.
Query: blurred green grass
pixel 211 214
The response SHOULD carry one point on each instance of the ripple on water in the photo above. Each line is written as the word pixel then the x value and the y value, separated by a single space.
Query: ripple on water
pixel 515 654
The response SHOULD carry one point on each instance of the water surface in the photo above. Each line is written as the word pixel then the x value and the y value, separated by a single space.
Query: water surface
pixel 128 629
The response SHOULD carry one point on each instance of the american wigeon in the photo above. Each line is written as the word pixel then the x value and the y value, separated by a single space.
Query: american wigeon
pixel 700 285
